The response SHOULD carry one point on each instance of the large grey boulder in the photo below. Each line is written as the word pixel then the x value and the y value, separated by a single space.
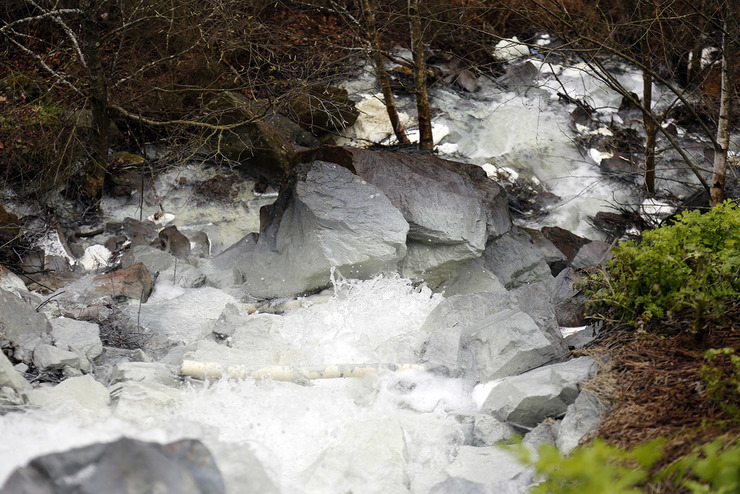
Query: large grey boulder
pixel 462 311
pixel 492 466
pixel 471 277
pixel 528 399
pixel 123 466
pixel 225 269
pixel 452 208
pixel 21 327
pixel 504 344
pixel 50 357
pixel 328 218
pixel 516 260
pixel 568 301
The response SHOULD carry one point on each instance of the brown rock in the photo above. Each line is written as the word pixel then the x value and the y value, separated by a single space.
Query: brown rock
pixel 175 242
pixel 323 108
pixel 568 243
pixel 132 282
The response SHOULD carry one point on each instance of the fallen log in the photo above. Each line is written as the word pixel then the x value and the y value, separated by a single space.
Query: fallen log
pixel 205 370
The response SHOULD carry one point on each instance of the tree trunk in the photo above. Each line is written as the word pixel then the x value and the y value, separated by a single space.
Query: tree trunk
pixel 381 74
pixel 716 191
pixel 426 140
pixel 651 128
pixel 97 98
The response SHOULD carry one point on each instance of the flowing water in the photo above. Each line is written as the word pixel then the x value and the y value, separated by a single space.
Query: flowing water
pixel 389 432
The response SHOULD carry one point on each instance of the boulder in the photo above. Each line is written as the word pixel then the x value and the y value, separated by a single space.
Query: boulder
pixel 174 242
pixel 471 277
pixel 506 343
pixel 82 394
pixel 10 377
pixel 126 465
pixel 592 254
pixel 11 282
pixel 49 357
pixel 170 269
pixel 323 108
pixel 568 301
pixel 186 318
pixel 515 260
pixel 255 144
pixel 581 419
pixel 488 431
pixel 326 218
pixel 462 311
pixel 80 337
pixel 226 269
pixel 145 371
pixel 553 256
pixel 568 243
pixel 21 327
pixel 452 208
pixel 528 399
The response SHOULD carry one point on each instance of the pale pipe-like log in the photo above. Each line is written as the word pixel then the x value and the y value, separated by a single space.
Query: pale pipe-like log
pixel 204 370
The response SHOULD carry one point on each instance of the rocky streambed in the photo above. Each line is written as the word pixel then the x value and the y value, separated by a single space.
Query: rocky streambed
pixel 401 269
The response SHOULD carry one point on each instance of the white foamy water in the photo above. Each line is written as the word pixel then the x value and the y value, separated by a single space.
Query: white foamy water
pixel 384 433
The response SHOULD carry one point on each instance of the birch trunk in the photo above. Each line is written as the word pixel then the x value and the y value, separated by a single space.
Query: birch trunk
pixel 716 190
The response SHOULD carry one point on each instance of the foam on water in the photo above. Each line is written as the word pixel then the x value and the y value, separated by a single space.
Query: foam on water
pixel 309 438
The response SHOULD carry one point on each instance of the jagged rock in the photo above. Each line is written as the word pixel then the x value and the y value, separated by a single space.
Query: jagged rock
pixel 171 269
pixel 49 357
pixel 186 318
pixel 80 337
pixel 569 303
pixel 225 269
pixel 488 431
pixel 441 351
pixel 327 218
pixel 553 256
pixel 126 465
pixel 471 277
pixel 452 208
pixel 519 78
pixel 133 281
pixel 592 254
pixel 461 311
pixel 11 282
pixel 21 327
pixel 323 108
pixel 200 243
pixel 568 243
pixel 515 260
pixel 257 145
pixel 80 393
pixel 544 433
pixel 10 377
pixel 581 338
pixel 175 242
pixel 528 399
pixel 504 344
pixel 581 419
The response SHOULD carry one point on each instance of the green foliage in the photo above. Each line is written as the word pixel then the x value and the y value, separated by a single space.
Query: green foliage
pixel 723 381
pixel 693 263
pixel 597 468
pixel 710 468
pixel 600 468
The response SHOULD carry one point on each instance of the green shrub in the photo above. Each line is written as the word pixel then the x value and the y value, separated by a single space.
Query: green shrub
pixel 722 377
pixel 692 264
pixel 596 468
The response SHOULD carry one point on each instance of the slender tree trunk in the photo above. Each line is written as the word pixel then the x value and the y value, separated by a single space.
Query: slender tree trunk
pixel 426 140
pixel 381 74
pixel 716 191
pixel 651 129
pixel 98 97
